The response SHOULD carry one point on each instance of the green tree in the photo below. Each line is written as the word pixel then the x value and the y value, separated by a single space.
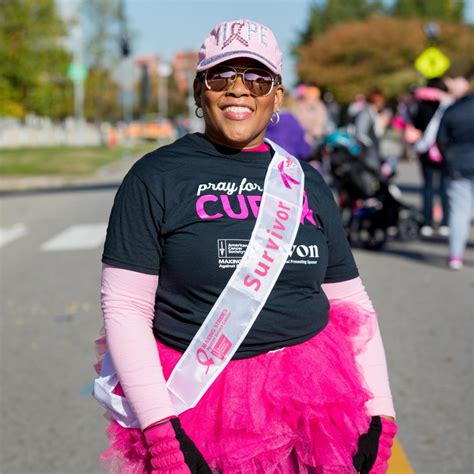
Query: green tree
pixel 447 10
pixel 177 101
pixel 104 22
pixel 103 19
pixel 351 58
pixel 332 12
pixel 33 60
pixel 102 96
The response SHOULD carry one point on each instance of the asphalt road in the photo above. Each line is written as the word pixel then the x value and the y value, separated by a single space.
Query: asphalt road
pixel 51 315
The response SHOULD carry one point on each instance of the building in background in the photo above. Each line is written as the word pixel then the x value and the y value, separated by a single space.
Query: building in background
pixel 184 68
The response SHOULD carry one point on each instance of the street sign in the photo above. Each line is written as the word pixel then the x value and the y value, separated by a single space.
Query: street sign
pixel 432 63
pixel 77 72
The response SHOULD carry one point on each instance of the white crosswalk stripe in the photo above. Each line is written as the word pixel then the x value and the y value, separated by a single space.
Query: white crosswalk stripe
pixel 11 234
pixel 77 237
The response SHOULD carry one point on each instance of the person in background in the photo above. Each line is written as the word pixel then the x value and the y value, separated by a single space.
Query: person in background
pixel 456 142
pixel 427 101
pixel 286 130
pixel 370 125
pixel 334 111
pixel 305 389
pixel 311 112
pixel 354 108
pixel 403 122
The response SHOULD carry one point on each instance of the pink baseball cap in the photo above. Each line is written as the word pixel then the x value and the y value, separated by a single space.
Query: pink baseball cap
pixel 240 39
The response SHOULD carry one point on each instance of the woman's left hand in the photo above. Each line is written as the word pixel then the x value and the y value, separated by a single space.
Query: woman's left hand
pixel 375 446
pixel 172 451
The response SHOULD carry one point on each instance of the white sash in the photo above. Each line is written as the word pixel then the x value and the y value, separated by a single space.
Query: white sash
pixel 116 405
pixel 239 304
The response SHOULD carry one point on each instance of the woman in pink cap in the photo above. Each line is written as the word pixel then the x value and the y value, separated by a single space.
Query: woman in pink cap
pixel 240 337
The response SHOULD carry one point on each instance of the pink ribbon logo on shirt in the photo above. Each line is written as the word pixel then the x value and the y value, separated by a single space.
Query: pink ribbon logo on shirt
pixel 285 177
pixel 307 212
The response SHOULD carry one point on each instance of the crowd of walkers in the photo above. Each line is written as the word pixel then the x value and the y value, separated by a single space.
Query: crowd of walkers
pixel 434 123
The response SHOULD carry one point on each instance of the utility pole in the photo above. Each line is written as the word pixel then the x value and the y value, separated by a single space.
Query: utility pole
pixel 77 70
pixel 126 69
pixel 79 83
pixel 164 71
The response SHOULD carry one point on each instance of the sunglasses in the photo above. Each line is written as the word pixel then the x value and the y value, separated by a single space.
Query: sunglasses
pixel 258 81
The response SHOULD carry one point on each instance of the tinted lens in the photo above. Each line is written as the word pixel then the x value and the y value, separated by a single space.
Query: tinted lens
pixel 258 81
pixel 220 78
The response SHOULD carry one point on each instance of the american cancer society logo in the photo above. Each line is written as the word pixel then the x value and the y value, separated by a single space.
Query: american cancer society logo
pixel 230 252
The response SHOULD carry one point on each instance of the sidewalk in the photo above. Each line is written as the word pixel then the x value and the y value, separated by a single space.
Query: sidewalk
pixel 110 174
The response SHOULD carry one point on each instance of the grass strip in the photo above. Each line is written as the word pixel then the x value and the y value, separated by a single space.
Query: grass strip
pixel 68 161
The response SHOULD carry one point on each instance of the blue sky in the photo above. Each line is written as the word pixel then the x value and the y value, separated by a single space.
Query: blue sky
pixel 164 27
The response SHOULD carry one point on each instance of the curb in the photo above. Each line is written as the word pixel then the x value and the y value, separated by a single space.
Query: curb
pixel 43 183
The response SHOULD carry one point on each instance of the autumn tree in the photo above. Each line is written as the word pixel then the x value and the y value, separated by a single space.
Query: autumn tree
pixel 350 58
pixel 33 60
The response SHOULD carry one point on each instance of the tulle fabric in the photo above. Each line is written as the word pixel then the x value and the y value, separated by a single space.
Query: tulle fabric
pixel 296 410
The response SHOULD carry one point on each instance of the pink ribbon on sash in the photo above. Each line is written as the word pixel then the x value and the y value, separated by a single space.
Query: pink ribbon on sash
pixel 285 177
pixel 204 359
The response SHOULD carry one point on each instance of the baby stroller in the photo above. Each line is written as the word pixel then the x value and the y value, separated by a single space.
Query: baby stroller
pixel 370 205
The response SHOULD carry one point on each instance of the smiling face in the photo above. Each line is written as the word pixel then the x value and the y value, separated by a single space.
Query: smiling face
pixel 234 117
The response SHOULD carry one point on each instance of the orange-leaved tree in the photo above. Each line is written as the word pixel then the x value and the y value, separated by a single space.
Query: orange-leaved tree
pixel 379 52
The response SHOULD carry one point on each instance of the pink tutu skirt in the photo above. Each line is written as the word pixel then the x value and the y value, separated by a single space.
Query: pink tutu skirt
pixel 297 410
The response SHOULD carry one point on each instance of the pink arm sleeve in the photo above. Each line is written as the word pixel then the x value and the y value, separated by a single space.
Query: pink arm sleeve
pixel 128 301
pixel 372 361
pixel 428 93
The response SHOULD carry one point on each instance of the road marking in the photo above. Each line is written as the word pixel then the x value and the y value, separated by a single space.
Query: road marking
pixel 10 234
pixel 398 463
pixel 77 237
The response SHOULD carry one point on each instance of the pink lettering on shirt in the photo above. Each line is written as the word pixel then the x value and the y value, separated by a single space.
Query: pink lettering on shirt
pixel 242 206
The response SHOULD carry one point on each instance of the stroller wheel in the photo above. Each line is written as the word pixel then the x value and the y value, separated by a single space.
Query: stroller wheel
pixel 373 239
pixel 408 229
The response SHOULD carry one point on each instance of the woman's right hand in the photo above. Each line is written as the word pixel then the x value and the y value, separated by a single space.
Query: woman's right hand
pixel 172 451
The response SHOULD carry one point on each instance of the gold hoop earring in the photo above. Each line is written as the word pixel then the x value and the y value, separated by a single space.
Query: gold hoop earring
pixel 275 120
pixel 196 112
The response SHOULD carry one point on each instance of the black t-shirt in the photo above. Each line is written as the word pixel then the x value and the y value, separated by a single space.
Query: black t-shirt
pixel 186 211
pixel 456 135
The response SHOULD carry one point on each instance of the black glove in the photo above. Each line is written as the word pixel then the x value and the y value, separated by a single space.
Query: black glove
pixel 192 456
pixel 172 451
pixel 368 447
